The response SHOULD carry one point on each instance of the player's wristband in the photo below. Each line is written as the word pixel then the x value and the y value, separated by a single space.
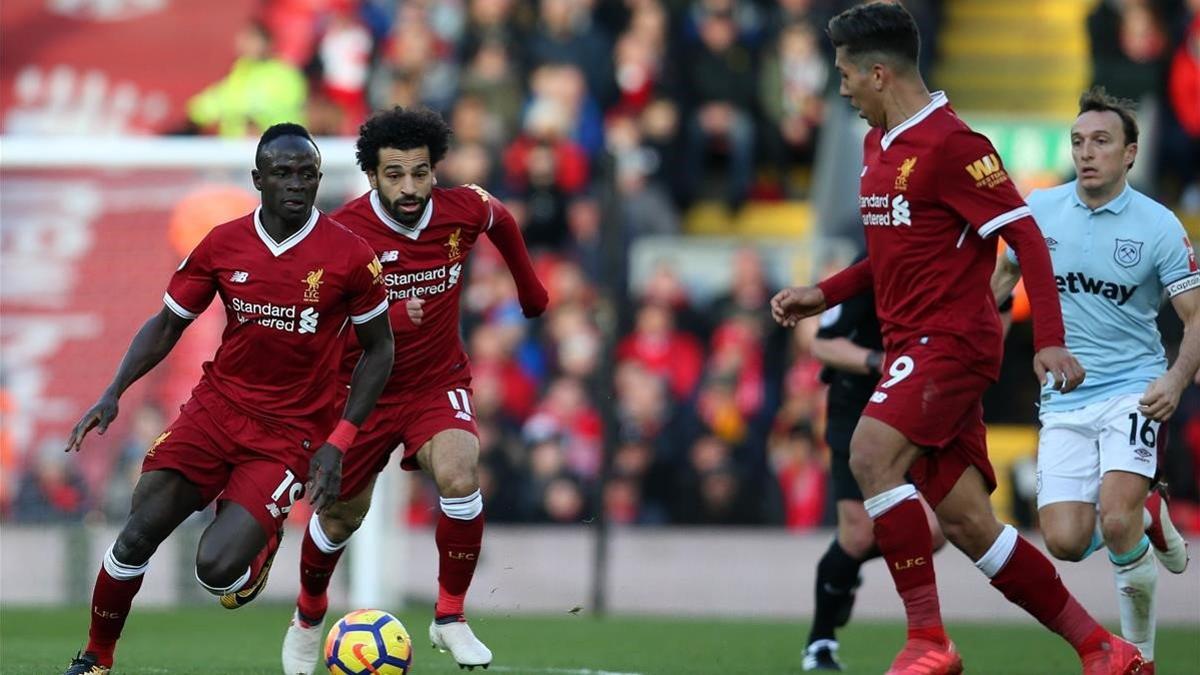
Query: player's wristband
pixel 875 361
pixel 343 435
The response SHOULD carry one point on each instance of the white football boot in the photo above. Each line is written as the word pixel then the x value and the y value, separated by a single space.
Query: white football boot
pixel 462 644
pixel 301 647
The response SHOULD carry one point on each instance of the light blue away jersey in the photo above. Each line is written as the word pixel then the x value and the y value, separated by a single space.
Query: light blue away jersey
pixel 1112 266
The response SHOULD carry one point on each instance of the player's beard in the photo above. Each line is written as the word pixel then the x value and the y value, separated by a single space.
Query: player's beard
pixel 408 219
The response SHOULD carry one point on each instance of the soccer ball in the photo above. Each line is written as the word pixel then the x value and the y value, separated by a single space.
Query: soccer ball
pixel 368 641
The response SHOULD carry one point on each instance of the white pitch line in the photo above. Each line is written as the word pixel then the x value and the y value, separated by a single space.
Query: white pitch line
pixel 557 670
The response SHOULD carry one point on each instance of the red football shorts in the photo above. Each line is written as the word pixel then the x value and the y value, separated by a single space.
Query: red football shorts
pixel 232 457
pixel 410 421
pixel 933 397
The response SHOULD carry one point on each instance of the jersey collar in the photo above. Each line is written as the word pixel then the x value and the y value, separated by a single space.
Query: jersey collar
pixel 936 100
pixel 1114 206
pixel 279 248
pixel 395 225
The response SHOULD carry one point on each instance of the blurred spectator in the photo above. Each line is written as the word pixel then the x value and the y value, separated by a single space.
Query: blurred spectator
pixel 661 349
pixel 491 75
pixel 51 489
pixel 710 490
pixel 543 170
pixel 1181 133
pixel 563 36
pixel 148 426
pixel 566 414
pixel 342 64
pixel 791 90
pixel 418 67
pixel 260 90
pixel 645 200
pixel 719 93
pixel 1129 47
pixel 796 461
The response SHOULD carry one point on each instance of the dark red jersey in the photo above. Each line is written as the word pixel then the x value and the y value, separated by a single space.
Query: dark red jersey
pixel 286 306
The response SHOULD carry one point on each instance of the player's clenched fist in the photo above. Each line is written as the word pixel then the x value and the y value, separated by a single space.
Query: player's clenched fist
pixel 416 311
pixel 1062 365
pixel 791 305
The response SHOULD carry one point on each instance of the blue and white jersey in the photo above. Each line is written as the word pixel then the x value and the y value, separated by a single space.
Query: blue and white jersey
pixel 1112 266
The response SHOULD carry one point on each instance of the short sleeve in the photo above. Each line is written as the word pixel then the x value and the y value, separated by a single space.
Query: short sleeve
pixel 365 291
pixel 845 319
pixel 1175 259
pixel 974 184
pixel 194 283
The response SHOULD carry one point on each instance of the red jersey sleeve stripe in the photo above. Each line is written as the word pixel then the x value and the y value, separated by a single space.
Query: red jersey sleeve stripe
pixel 363 318
pixel 989 228
pixel 178 308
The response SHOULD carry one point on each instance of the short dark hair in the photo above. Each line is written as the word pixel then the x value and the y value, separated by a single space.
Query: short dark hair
pixel 279 131
pixel 1098 99
pixel 879 27
pixel 402 129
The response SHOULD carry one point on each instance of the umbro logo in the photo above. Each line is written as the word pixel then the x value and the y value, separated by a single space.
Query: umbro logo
pixel 239 277
pixel 1051 242
pixel 389 256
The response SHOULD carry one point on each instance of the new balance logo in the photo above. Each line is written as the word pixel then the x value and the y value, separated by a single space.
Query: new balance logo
pixel 461 404
pixel 239 277
pixel 879 397
pixel 389 256
pixel 308 320
pixel 901 215
pixel 1077 282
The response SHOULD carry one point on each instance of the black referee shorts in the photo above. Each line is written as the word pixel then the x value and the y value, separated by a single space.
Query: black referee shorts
pixel 837 435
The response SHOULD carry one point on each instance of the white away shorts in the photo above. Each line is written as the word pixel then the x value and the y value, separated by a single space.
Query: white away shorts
pixel 1077 447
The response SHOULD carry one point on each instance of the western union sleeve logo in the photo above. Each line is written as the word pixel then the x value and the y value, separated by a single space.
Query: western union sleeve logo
pixel 376 269
pixel 987 171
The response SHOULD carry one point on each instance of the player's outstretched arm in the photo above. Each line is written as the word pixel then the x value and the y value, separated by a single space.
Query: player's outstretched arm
pixel 1049 339
pixel 505 234
pixel 370 375
pixel 153 342
pixel 1162 396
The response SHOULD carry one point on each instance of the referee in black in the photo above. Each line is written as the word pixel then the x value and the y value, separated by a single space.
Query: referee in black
pixel 849 344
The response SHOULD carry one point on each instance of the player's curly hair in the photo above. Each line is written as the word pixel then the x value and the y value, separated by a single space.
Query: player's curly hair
pixel 279 131
pixel 877 28
pixel 402 129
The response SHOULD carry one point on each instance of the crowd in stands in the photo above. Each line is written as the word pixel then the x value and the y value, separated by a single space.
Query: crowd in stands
pixel 717 413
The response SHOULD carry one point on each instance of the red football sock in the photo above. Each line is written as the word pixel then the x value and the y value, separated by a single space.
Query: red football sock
pixel 316 569
pixel 458 543
pixel 111 600
pixel 902 533
pixel 1030 581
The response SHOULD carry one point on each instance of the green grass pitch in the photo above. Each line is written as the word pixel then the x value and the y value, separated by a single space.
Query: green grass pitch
pixel 212 640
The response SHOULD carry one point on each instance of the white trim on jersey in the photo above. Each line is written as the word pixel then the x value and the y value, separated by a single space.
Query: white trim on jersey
pixel 937 99
pixel 1185 284
pixel 459 400
pixel 491 217
pixel 376 311
pixel 395 225
pixel 279 248
pixel 178 308
pixel 989 228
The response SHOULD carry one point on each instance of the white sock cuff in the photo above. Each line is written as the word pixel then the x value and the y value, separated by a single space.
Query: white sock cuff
pixel 241 581
pixel 119 570
pixel 463 508
pixel 322 540
pixel 883 502
pixel 998 555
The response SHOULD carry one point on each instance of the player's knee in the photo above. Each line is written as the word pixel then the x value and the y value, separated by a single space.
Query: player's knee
pixel 341 522
pixel 1117 525
pixel 863 467
pixel 134 545
pixel 969 530
pixel 1064 548
pixel 218 569
pixel 460 483
pixel 858 540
